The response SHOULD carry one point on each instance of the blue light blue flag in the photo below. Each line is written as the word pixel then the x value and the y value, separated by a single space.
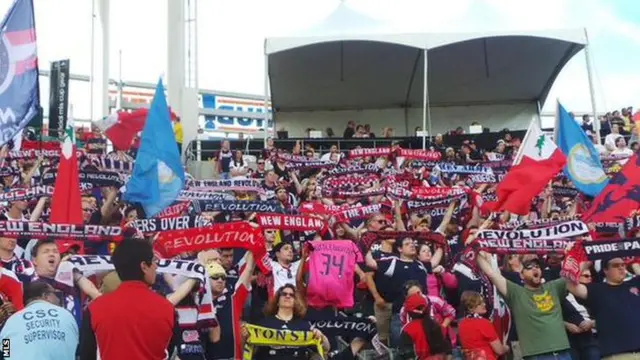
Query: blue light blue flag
pixel 583 161
pixel 158 174
pixel 19 95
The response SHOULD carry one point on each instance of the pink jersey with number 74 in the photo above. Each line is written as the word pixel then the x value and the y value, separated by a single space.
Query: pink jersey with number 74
pixel 332 264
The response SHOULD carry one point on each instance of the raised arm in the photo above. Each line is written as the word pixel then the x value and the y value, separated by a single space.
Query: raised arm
pixel 250 265
pixel 447 217
pixel 499 281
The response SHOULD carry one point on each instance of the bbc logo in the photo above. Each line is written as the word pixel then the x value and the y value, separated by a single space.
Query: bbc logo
pixel 6 348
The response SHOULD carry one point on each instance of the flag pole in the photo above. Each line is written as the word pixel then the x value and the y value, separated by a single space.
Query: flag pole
pixel 556 122
pixel 518 157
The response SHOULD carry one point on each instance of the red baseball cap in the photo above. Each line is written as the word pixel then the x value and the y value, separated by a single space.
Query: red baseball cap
pixel 415 303
pixel 65 245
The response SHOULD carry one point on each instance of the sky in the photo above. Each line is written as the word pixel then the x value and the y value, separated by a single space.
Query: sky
pixel 231 36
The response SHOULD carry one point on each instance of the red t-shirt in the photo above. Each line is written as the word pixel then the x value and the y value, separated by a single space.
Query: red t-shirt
pixel 476 336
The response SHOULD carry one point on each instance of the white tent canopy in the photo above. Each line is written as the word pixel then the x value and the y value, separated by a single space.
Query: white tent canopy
pixel 348 69
pixel 382 71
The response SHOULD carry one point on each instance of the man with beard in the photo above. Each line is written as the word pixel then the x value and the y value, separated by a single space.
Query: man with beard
pixel 536 308
pixel 46 259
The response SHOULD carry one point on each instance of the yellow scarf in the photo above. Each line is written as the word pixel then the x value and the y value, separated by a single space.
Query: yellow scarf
pixel 262 336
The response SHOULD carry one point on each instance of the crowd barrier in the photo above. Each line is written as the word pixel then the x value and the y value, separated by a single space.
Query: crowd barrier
pixel 202 150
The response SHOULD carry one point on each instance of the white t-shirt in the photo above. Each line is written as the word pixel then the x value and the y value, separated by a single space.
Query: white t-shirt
pixel 283 276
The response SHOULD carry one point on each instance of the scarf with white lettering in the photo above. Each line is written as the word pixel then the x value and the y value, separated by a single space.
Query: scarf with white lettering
pixel 532 224
pixel 177 209
pixel 349 182
pixel 109 164
pixel 564 191
pixel 254 185
pixel 419 164
pixel 40 230
pixel 447 168
pixel 34 192
pixel 373 152
pixel 34 154
pixel 235 206
pixel 353 169
pixel 187 195
pixel 357 213
pixel 617 228
pixel 282 339
pixel 309 164
pixel 341 194
pixel 346 326
pixel 418 154
pixel 290 222
pixel 174 223
pixel 93 264
pixel 437 203
pixel 598 250
pixel 521 246
pixel 227 235
pixel 503 238
pixel 479 179
pixel 88 179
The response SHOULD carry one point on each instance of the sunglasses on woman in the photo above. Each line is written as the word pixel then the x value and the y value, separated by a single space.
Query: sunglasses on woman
pixel 287 294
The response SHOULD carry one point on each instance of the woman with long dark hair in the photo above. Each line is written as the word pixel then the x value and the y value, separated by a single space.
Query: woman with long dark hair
pixel 286 310
pixel 422 338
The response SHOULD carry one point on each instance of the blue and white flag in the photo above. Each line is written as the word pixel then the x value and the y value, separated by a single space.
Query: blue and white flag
pixel 583 161
pixel 19 96
pixel 158 174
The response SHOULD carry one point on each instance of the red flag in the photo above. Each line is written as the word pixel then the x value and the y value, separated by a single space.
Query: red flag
pixel 66 203
pixel 122 127
pixel 525 181
pixel 620 197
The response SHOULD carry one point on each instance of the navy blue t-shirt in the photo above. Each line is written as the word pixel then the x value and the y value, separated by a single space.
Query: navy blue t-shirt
pixel 616 310
pixel 398 273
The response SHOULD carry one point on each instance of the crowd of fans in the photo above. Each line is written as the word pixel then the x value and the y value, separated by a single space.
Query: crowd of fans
pixel 395 280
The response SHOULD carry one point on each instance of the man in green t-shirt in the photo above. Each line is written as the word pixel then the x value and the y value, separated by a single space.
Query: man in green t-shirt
pixel 535 307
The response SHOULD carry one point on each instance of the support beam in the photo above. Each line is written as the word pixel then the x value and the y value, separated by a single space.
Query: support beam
pixel 101 75
pixel 175 78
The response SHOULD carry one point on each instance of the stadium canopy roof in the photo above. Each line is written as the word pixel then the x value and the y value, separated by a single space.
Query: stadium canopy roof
pixel 339 66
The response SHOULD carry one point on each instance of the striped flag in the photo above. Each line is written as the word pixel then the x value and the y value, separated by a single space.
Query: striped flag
pixel 19 96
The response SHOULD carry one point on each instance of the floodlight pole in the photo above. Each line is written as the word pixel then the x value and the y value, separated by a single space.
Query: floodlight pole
pixel 91 72
pixel 265 108
pixel 426 111
pixel 587 57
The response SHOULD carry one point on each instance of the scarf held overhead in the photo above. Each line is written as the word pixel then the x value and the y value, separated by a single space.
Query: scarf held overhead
pixel 237 206
pixel 95 264
pixel 20 194
pixel 560 231
pixel 39 230
pixel 522 246
pixel 92 178
pixel 227 235
pixel 597 250
pixel 173 223
pixel 290 222
pixel 228 185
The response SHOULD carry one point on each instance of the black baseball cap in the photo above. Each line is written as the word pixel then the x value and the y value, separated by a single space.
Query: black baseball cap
pixel 527 264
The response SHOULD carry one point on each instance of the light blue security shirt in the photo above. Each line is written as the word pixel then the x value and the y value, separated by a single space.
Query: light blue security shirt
pixel 41 331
